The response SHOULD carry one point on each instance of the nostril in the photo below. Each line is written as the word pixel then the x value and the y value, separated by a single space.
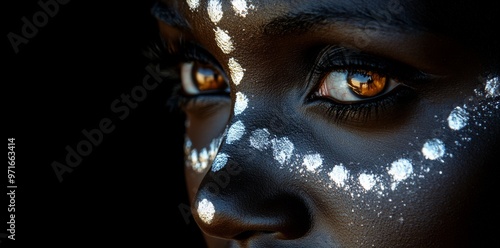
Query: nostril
pixel 235 216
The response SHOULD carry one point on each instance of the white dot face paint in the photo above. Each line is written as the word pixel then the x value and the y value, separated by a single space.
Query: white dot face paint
pixel 400 170
pixel 240 7
pixel 235 132
pixel 193 4
pixel 367 181
pixel 260 139
pixel 339 175
pixel 206 211
pixel 223 40
pixel 282 149
pixel 240 104
pixel 219 162
pixel 203 158
pixel 200 160
pixel 492 87
pixel 433 149
pixel 458 118
pixel 237 71
pixel 214 10
pixel 312 162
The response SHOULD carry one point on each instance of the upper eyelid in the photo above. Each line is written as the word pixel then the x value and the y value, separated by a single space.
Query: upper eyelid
pixel 337 57
pixel 190 51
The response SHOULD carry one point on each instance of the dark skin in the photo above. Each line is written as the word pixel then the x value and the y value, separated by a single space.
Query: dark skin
pixel 410 163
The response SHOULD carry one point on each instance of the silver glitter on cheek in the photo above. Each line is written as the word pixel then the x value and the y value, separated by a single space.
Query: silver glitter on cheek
pixel 458 118
pixel 203 158
pixel 260 139
pixel 206 211
pixel 492 87
pixel 240 104
pixel 235 132
pixel 339 175
pixel 312 162
pixel 433 149
pixel 400 170
pixel 282 149
pixel 198 161
pixel 367 181
pixel 219 162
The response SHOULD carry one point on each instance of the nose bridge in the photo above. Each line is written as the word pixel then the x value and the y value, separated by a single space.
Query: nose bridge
pixel 244 192
pixel 255 135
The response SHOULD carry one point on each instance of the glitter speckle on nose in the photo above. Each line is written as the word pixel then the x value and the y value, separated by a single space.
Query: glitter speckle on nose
pixel 206 211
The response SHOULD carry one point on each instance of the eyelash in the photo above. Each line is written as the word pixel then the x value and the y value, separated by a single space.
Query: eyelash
pixel 342 59
pixel 170 55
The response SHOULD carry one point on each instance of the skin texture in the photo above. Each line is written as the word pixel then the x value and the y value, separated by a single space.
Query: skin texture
pixel 404 174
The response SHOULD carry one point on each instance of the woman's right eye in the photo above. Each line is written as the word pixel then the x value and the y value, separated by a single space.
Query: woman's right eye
pixel 198 78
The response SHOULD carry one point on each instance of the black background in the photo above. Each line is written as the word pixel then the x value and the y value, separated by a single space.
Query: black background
pixel 127 191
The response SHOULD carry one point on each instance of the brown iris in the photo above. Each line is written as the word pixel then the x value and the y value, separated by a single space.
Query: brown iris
pixel 366 84
pixel 207 78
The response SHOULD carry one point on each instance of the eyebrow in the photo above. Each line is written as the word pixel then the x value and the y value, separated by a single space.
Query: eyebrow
pixel 169 15
pixel 301 22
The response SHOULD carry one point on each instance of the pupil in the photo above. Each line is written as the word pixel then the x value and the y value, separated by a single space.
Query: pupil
pixel 366 85
pixel 207 78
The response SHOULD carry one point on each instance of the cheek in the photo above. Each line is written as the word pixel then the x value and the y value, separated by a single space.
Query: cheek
pixel 204 133
pixel 439 162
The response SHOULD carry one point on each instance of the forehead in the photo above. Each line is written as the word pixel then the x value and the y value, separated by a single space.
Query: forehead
pixel 260 27
pixel 277 17
pixel 256 12
pixel 260 12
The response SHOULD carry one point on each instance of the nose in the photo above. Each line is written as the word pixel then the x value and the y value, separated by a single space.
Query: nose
pixel 244 196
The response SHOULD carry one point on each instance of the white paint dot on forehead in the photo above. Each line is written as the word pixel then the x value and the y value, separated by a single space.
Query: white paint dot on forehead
pixel 312 161
pixel 206 211
pixel 367 181
pixel 492 87
pixel 433 149
pixel 237 71
pixel 240 7
pixel 260 139
pixel 458 118
pixel 282 149
pixel 214 10
pixel 401 169
pixel 241 103
pixel 219 162
pixel 235 132
pixel 339 175
pixel 223 40
pixel 193 4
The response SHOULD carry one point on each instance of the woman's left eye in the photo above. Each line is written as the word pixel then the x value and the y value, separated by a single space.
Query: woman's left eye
pixel 354 86
pixel 201 78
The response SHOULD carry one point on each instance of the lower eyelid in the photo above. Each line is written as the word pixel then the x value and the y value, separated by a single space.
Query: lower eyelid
pixel 360 113
pixel 205 104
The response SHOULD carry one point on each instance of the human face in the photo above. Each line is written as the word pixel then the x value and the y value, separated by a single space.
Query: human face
pixel 338 123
